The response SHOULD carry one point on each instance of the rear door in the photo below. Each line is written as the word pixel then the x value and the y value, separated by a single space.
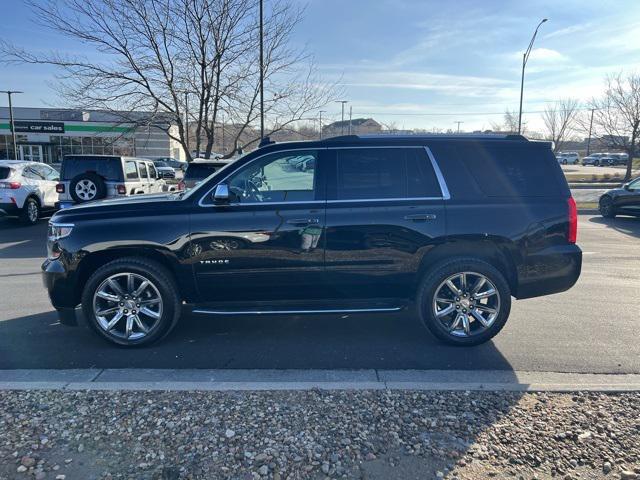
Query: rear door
pixel 384 211
pixel 630 202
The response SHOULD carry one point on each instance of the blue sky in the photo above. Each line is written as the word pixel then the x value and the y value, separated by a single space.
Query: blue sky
pixel 409 62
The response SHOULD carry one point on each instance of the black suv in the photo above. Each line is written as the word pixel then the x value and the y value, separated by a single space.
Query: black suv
pixel 452 226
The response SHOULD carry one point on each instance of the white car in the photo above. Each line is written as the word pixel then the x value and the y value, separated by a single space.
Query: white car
pixel 27 189
pixel 568 158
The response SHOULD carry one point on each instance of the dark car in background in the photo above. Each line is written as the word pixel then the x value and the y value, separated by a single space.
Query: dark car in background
pixel 621 201
pixel 198 170
pixel 449 226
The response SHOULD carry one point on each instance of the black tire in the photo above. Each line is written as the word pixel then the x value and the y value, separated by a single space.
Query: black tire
pixel 97 190
pixel 441 272
pixel 30 213
pixel 160 277
pixel 605 205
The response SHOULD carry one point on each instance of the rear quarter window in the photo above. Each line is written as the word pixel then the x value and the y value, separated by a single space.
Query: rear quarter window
pixel 500 170
pixel 4 173
pixel 109 168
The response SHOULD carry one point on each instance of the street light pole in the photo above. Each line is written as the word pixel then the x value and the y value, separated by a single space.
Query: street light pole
pixel 525 57
pixel 12 125
pixel 261 71
pixel 458 125
pixel 342 122
pixel 350 115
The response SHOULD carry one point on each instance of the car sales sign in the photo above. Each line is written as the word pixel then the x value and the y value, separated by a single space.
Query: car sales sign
pixel 39 127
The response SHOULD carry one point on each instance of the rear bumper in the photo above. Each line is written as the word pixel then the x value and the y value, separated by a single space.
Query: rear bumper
pixel 552 270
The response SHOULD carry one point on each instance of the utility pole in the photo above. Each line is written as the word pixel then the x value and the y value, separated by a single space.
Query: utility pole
pixel 458 125
pixel 12 125
pixel 590 128
pixel 261 71
pixel 321 112
pixel 342 122
pixel 350 115
pixel 525 57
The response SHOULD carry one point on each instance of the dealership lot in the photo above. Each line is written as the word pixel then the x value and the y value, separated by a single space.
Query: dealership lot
pixel 591 328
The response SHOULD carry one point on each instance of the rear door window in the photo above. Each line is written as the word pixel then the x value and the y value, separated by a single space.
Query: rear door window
pixel 384 173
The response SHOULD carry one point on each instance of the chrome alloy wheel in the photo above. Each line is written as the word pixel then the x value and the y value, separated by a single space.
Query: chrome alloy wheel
pixel 127 306
pixel 466 304
pixel 32 212
pixel 86 190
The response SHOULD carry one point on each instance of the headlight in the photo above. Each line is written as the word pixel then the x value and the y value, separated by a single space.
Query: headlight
pixel 58 231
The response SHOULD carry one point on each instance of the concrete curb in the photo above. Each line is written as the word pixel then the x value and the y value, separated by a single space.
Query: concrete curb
pixel 261 380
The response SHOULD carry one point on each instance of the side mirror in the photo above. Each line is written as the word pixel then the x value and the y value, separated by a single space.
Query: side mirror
pixel 625 186
pixel 221 193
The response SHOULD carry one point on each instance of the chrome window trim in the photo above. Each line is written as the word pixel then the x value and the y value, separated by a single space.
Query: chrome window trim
pixel 436 168
pixel 439 176
pixel 259 203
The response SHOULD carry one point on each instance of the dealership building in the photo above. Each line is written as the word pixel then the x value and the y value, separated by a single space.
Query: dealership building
pixel 47 134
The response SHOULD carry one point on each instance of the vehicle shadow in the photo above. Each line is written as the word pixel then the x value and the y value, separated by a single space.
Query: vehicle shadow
pixel 627 225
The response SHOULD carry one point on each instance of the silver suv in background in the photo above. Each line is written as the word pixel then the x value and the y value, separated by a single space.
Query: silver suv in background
pixel 84 178
pixel 568 158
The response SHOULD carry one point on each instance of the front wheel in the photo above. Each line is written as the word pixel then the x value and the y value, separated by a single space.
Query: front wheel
pixel 464 301
pixel 131 302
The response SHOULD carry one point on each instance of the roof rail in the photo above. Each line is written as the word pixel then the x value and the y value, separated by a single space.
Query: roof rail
pixel 342 138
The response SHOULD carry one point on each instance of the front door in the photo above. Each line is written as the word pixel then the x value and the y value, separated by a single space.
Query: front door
pixel 30 153
pixel 266 243
pixel 629 202
pixel 384 210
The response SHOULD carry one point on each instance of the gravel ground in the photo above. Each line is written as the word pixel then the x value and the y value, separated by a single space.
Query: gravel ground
pixel 317 435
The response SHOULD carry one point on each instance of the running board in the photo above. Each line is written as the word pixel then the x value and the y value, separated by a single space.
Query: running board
pixel 295 312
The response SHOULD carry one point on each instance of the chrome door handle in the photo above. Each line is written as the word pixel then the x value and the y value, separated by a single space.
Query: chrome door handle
pixel 420 217
pixel 303 221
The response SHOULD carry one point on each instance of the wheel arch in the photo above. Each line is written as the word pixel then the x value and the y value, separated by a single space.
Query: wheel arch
pixel 92 261
pixel 497 251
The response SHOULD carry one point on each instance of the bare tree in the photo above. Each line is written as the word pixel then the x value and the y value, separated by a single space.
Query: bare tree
pixel 182 62
pixel 616 119
pixel 559 121
pixel 509 123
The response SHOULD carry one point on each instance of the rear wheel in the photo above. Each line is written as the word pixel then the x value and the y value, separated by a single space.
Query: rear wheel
pixel 30 212
pixel 606 207
pixel 131 302
pixel 464 301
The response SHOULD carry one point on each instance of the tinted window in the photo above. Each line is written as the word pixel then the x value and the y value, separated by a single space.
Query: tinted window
pixel 4 173
pixel 130 170
pixel 32 173
pixel 371 173
pixel 499 170
pixel 108 168
pixel 198 171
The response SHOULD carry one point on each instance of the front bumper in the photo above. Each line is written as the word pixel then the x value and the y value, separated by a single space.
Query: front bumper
pixel 552 270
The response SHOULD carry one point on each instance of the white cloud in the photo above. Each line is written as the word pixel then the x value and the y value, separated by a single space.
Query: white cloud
pixel 571 29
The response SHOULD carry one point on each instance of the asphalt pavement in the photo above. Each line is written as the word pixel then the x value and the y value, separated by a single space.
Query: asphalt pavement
pixel 593 328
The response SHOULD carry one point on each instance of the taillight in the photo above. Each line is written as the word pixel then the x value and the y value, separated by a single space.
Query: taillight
pixel 572 234
pixel 60 188
pixel 10 185
pixel 121 189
